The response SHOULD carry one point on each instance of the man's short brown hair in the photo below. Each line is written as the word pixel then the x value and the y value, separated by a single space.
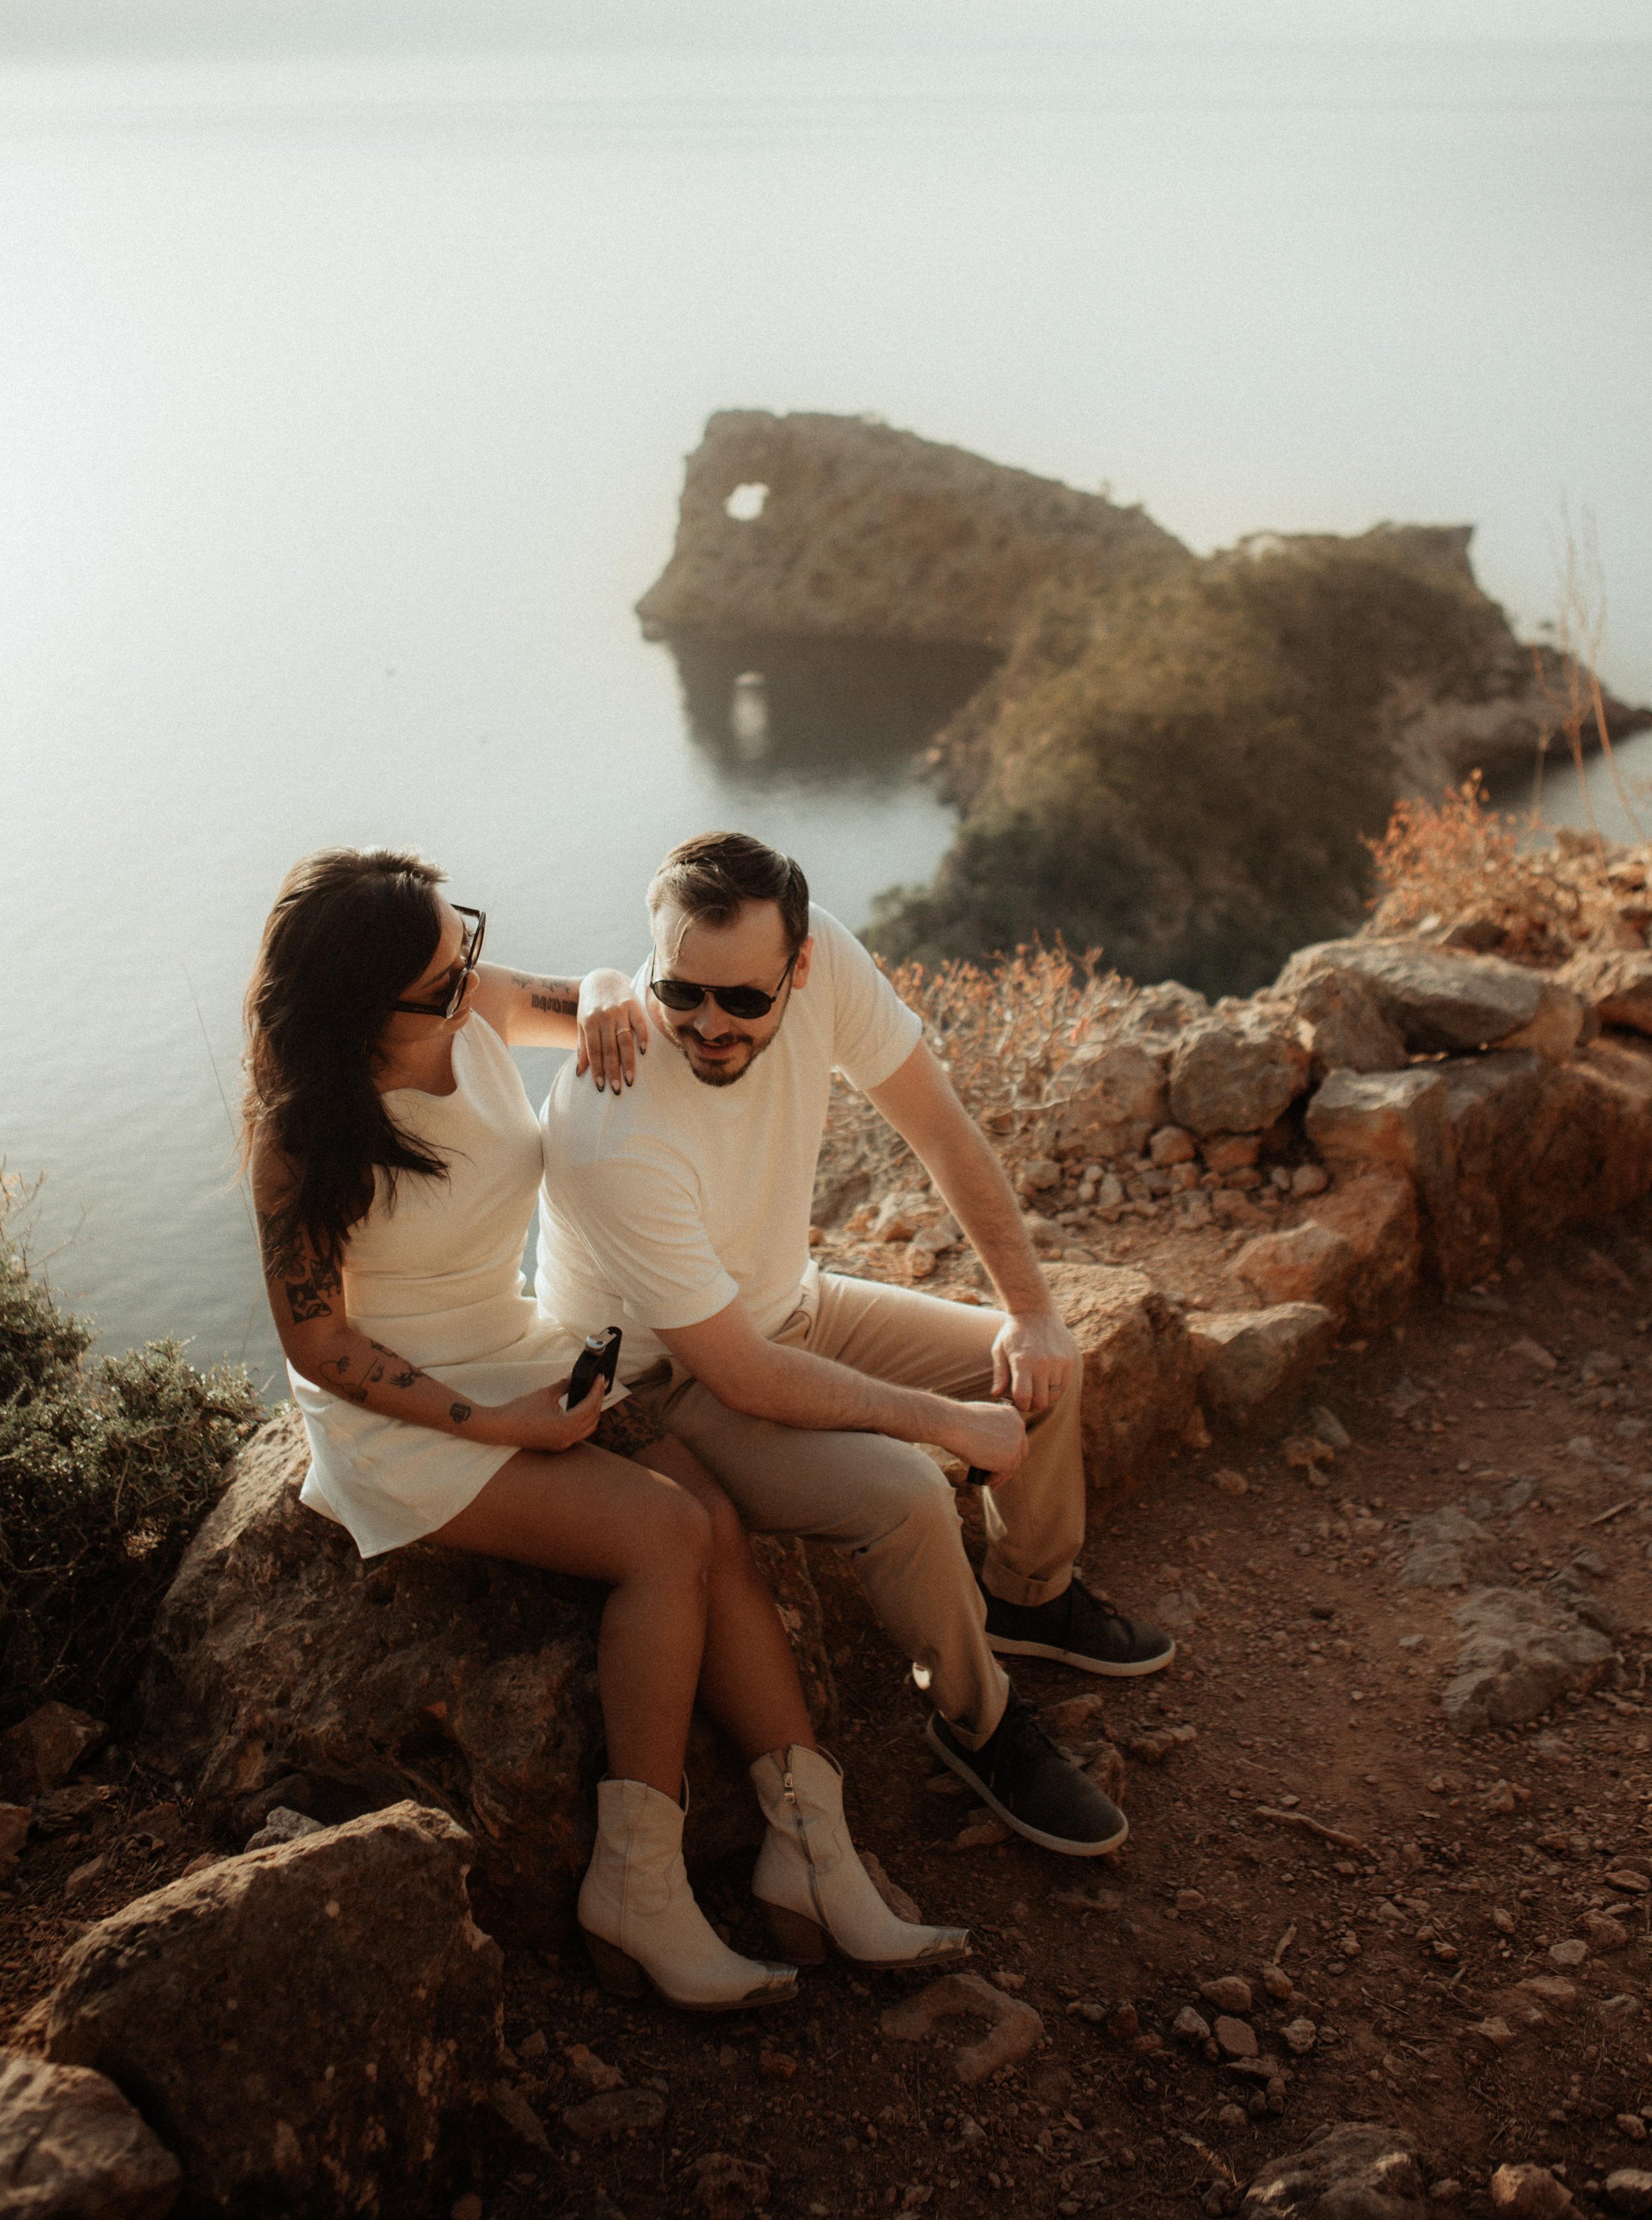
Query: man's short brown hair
pixel 712 877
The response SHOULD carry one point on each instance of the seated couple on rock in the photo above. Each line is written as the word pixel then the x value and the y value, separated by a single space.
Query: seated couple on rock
pixel 395 1165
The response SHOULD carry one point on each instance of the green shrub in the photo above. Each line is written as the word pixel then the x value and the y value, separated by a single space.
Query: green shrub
pixel 106 1470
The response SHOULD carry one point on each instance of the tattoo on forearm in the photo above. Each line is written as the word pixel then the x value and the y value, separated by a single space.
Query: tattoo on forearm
pixel 409 1375
pixel 560 996
pixel 459 1413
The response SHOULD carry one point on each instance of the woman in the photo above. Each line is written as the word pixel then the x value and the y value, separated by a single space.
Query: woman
pixel 395 1164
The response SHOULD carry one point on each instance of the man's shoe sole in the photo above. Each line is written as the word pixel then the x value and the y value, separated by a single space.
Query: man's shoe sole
pixel 1006 1648
pixel 1062 1844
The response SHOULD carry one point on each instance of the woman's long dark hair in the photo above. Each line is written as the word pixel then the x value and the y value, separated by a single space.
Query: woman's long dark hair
pixel 351 931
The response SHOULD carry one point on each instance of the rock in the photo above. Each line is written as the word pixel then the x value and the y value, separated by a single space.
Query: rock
pixel 1346 1028
pixel 1605 1932
pixel 1520 1654
pixel 867 533
pixel 1300 2036
pixel 1308 1263
pixel 282 1825
pixel 1571 1953
pixel 1450 1549
pixel 279 1653
pixel 1138 1366
pixel 1189 2027
pixel 595 2073
pixel 1106 1100
pixel 1616 983
pixel 1439 1000
pixel 1495 2031
pixel 1632 2125
pixel 71 2148
pixel 1620 2011
pixel 13 1833
pixel 1550 1991
pixel 727 2188
pixel 189 1998
pixel 40 1752
pixel 1016 2029
pixel 1230 1993
pixel 1252 1363
pixel 1528 2193
pixel 1348 2170
pixel 1234 2036
pixel 1376 1214
pixel 1496 1117
pixel 1172 1144
pixel 1628 1877
pixel 1391 1122
pixel 1238 1071
pixel 519 2117
pixel 1106 1768
pixel 1278 1984
pixel 1038 1174
pixel 615 2112
pixel 1629 2189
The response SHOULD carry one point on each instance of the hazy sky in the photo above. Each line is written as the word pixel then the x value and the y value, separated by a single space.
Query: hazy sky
pixel 43 28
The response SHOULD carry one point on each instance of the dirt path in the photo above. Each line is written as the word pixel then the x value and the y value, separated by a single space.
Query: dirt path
pixel 1312 1677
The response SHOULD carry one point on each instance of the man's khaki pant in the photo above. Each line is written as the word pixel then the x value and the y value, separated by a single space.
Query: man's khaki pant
pixel 885 1502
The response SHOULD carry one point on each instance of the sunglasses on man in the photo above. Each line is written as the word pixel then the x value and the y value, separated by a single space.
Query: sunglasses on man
pixel 460 975
pixel 747 1002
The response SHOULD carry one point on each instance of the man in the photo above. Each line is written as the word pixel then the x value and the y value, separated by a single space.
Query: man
pixel 681 1205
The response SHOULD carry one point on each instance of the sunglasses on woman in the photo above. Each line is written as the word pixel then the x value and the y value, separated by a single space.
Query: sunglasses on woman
pixel 683 995
pixel 460 975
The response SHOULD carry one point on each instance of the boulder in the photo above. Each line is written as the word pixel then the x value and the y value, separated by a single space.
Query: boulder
pixel 1252 1363
pixel 1376 1212
pixel 40 1752
pixel 1353 2170
pixel 1588 1152
pixel 1439 1000
pixel 1237 1070
pixel 1521 1652
pixel 1494 1107
pixel 71 2148
pixel 1138 1360
pixel 288 1672
pixel 1394 1122
pixel 1347 1031
pixel 309 2027
pixel 1528 2193
pixel 1305 1263
pixel 1106 1100
pixel 1616 983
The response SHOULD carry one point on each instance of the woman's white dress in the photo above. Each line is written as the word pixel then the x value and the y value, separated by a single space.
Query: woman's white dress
pixel 438 1278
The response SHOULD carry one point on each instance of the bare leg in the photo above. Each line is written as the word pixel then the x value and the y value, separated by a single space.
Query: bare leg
pixel 603 1518
pixel 748 1677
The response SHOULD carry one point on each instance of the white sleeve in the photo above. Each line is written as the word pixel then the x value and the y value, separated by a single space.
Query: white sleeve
pixel 873 1032
pixel 642 1226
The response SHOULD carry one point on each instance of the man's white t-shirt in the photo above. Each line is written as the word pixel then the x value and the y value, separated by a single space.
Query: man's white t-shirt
pixel 664 1201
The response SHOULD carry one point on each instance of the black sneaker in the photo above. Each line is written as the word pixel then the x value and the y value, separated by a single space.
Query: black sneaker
pixel 1077 1629
pixel 1031 1786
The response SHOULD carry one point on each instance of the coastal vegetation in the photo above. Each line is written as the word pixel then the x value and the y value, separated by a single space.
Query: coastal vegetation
pixel 107 1467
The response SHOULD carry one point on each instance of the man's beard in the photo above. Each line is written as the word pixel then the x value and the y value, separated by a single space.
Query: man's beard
pixel 719 1074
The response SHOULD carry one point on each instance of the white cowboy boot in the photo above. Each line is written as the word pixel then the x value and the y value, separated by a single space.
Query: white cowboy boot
pixel 639 1915
pixel 812 1884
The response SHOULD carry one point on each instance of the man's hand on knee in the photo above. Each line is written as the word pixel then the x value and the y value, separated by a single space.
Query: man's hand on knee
pixel 1033 1357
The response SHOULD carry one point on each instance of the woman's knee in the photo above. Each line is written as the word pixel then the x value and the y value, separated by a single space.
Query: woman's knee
pixel 675 1535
